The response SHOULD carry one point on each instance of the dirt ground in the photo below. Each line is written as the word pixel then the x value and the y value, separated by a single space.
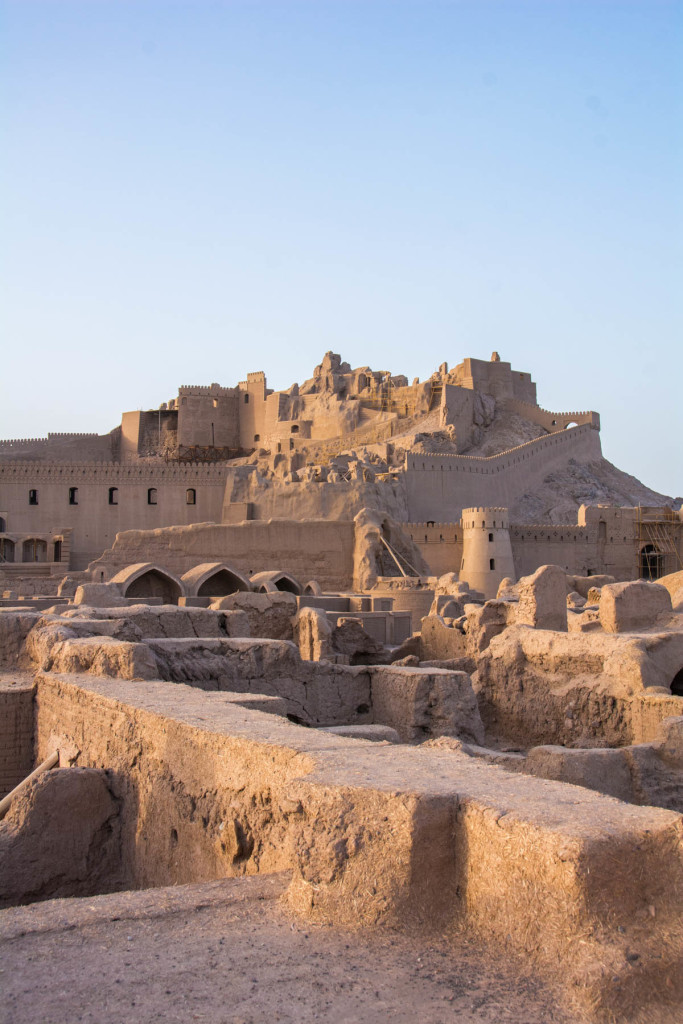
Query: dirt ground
pixel 228 952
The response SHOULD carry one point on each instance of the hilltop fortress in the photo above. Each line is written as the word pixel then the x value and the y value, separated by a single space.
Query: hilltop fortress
pixel 439 458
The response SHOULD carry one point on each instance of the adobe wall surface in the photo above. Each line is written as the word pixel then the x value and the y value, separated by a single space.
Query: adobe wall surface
pixel 16 731
pixel 551 421
pixel 211 790
pixel 439 487
pixel 495 377
pixel 307 550
pixel 440 544
pixel 579 689
pixel 575 548
pixel 95 522
pixel 62 447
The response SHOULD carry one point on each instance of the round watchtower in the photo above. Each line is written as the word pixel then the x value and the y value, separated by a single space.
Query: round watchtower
pixel 487 552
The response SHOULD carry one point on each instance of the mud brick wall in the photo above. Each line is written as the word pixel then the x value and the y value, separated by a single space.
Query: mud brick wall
pixel 16 734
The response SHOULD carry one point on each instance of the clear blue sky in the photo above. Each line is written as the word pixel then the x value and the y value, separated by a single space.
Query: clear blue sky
pixel 194 190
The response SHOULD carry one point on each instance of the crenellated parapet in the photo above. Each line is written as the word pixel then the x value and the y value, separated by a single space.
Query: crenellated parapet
pixel 503 460
pixel 552 421
pixel 485 517
pixel 116 472
pixel 210 391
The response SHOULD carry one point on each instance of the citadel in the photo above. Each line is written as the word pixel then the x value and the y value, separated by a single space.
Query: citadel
pixel 361 658
pixel 435 456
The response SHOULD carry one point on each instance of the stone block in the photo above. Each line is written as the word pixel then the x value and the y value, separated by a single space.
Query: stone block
pixel 543 599
pixel 270 615
pixel 634 605
pixel 312 634
pixel 421 703
pixel 99 595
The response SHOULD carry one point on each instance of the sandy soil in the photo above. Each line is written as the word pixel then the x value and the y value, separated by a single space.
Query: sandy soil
pixel 229 953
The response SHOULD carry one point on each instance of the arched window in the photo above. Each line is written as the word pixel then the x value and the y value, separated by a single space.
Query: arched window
pixel 492 563
pixel 190 496
pixel 295 428
pixel 257 437
pixel 33 497
pixel 246 399
pixel 490 537
pixel 6 550
pixel 152 496
pixel 113 495
pixel 73 495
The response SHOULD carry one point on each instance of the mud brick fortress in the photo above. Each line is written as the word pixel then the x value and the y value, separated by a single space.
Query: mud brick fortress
pixel 400 663
pixel 477 478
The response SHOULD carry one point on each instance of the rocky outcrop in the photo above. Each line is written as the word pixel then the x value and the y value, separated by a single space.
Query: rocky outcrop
pixel 382 548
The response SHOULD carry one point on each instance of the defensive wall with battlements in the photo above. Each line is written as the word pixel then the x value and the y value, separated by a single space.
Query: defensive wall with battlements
pixel 440 486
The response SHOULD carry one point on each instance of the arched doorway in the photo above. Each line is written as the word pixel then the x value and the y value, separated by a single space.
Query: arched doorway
pixel 154 583
pixel 267 582
pixel 34 550
pixel 220 584
pixel 288 585
pixel 144 580
pixel 651 563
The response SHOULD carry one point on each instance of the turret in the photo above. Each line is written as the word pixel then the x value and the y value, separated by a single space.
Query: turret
pixel 487 552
